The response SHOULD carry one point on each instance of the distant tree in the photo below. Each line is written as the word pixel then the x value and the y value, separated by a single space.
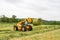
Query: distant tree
pixel 13 18
pixel 10 20
pixel 0 19
pixel 3 18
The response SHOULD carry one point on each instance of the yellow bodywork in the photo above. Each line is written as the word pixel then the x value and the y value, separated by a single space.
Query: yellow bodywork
pixel 28 19
pixel 19 24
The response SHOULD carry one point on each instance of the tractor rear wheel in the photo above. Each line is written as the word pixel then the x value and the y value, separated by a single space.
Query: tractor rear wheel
pixel 23 29
pixel 15 28
pixel 29 27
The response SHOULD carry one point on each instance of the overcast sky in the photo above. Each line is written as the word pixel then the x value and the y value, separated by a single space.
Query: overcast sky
pixel 45 9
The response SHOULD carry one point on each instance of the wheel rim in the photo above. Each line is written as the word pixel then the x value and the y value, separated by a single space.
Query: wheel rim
pixel 23 29
pixel 27 27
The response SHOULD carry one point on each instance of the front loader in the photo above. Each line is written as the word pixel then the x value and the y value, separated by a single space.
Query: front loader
pixel 24 25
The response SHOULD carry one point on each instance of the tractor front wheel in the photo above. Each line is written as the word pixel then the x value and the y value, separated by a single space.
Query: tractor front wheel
pixel 15 28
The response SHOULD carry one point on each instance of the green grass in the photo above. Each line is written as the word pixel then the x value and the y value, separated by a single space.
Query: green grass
pixel 51 35
pixel 7 32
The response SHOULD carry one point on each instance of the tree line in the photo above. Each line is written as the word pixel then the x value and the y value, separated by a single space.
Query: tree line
pixel 13 19
pixel 36 21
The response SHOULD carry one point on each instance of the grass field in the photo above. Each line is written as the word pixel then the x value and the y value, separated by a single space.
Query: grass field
pixel 51 35
pixel 7 32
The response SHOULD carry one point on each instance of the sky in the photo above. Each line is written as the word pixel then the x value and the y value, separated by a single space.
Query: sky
pixel 45 9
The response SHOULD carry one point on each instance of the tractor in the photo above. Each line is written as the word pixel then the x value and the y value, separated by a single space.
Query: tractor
pixel 24 25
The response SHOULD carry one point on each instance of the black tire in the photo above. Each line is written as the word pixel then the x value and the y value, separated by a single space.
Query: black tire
pixel 15 28
pixel 30 27
pixel 23 29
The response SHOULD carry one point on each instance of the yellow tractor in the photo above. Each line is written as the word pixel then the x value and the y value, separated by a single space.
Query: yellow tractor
pixel 24 25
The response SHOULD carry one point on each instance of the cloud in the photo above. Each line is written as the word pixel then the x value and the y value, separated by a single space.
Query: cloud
pixel 54 9
pixel 45 9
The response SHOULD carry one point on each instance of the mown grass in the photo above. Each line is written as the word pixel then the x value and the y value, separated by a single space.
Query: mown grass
pixel 7 32
pixel 51 35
